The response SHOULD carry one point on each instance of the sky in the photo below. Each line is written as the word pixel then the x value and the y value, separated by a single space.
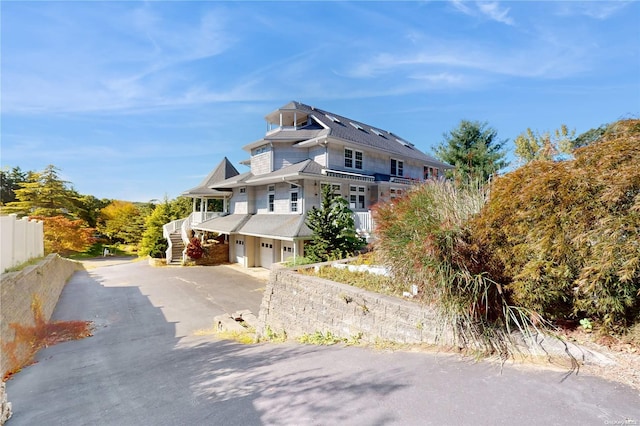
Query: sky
pixel 140 100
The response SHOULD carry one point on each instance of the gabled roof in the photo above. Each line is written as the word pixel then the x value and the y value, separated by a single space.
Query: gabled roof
pixel 222 172
pixel 349 130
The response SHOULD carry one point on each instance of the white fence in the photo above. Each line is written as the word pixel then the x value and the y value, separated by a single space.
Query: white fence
pixel 20 240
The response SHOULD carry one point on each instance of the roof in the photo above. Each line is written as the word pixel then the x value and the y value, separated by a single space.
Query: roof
pixel 306 167
pixel 234 181
pixel 346 129
pixel 223 171
pixel 223 224
pixel 276 226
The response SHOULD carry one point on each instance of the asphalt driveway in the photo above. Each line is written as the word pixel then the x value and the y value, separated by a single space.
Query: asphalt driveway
pixel 149 363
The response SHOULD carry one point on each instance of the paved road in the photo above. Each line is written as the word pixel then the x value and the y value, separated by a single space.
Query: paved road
pixel 147 365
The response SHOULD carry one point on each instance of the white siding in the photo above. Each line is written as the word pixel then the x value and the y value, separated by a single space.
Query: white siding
pixel 261 163
pixel 285 155
pixel 318 154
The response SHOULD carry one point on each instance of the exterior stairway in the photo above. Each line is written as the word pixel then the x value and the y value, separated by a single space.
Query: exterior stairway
pixel 177 247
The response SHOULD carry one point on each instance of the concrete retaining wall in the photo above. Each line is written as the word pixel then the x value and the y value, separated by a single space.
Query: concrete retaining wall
pixel 300 304
pixel 18 290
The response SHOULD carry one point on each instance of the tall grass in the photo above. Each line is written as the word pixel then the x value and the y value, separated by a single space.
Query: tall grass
pixel 425 240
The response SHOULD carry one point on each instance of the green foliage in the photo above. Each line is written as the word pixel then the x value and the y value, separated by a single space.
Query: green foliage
pixel 153 242
pixel 474 150
pixel 89 207
pixel 365 280
pixel 320 338
pixel 122 221
pixel 547 146
pixel 567 234
pixel 426 241
pixel 333 227
pixel 44 194
pixel 10 180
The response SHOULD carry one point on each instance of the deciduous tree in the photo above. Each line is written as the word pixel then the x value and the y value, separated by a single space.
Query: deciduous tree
pixel 65 236
pixel 548 146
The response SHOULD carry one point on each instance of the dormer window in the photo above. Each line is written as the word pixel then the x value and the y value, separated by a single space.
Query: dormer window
pixel 352 159
pixel 397 167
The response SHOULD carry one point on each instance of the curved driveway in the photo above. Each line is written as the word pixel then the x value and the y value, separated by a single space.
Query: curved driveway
pixel 148 364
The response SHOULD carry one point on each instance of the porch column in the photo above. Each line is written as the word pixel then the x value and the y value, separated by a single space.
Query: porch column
pixel 202 210
pixel 194 204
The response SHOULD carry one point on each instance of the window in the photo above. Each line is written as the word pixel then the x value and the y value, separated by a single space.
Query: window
pixel 272 197
pixel 395 193
pixel 352 159
pixel 243 190
pixel 397 167
pixel 430 173
pixel 294 201
pixel 356 197
pixel 358 160
pixel 335 187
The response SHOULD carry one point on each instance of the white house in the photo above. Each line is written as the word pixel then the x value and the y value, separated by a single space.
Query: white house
pixel 263 210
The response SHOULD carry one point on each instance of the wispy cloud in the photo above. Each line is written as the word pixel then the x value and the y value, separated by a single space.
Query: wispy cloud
pixel 600 10
pixel 491 10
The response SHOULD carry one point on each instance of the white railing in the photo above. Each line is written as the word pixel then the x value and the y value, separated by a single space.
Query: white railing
pixel 185 225
pixel 363 222
pixel 22 240
pixel 167 230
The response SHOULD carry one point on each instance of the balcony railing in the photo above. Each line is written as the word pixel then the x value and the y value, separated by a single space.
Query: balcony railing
pixel 364 223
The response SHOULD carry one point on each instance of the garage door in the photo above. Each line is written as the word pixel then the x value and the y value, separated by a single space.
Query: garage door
pixel 287 250
pixel 239 250
pixel 266 252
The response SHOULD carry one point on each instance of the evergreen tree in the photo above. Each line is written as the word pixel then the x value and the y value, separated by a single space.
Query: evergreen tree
pixel 333 227
pixel 44 194
pixel 10 180
pixel 474 150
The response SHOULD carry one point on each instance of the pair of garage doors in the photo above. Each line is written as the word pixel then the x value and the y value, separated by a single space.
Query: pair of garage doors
pixel 265 255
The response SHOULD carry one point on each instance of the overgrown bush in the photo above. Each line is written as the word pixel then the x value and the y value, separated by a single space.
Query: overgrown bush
pixel 567 234
pixel 425 239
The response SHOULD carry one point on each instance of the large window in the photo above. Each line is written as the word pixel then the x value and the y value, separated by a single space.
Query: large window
pixel 352 159
pixel 397 167
pixel 356 197
pixel 294 201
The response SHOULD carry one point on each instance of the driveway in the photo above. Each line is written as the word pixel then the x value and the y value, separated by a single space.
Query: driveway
pixel 149 363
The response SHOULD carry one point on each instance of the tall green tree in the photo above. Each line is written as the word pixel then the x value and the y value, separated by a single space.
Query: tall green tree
pixel 474 149
pixel 10 180
pixel 333 227
pixel 153 242
pixel 44 194
pixel 533 145
pixel 89 207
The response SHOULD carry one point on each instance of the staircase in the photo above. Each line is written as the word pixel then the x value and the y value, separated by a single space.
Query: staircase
pixel 177 247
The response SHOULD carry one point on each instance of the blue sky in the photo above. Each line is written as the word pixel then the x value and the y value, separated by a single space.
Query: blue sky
pixel 138 100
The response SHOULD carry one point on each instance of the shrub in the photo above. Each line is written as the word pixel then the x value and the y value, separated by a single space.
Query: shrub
pixel 194 248
pixel 425 240
pixel 567 234
pixel 65 236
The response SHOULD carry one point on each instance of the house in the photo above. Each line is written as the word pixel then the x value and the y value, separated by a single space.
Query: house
pixel 262 211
